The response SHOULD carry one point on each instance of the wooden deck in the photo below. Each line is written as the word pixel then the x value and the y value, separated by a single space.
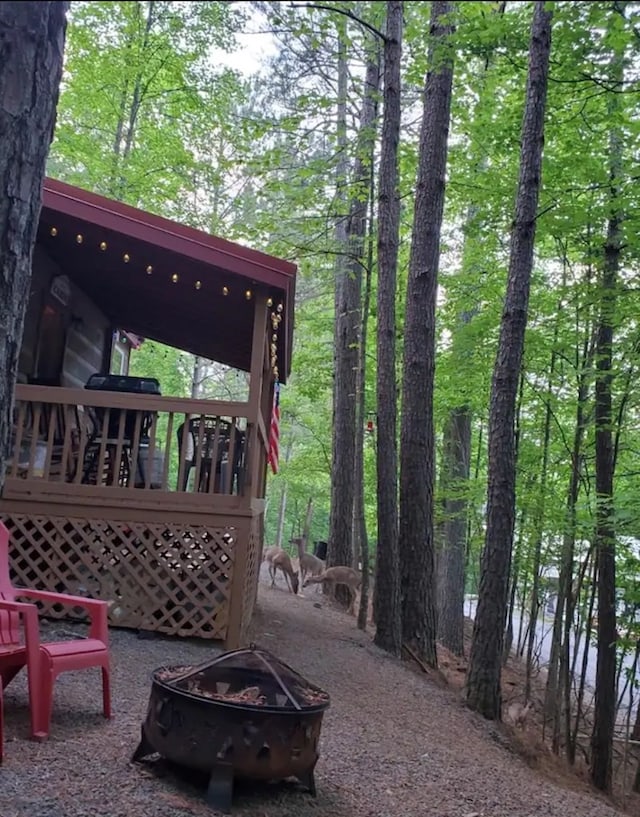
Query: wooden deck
pixel 154 503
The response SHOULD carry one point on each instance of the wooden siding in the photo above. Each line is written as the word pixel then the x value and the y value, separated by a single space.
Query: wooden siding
pixel 44 270
pixel 86 341
pixel 85 327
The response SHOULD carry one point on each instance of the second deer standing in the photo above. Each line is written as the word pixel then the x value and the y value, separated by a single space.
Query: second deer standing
pixel 277 558
pixel 339 575
pixel 309 564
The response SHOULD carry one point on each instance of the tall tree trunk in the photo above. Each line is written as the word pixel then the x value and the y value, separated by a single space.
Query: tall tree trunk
pixel 558 668
pixel 387 587
pixel 282 508
pixel 197 377
pixel 137 87
pixel 571 735
pixel 417 432
pixel 515 577
pixel 360 521
pixel 32 38
pixel 605 695
pixel 456 461
pixel 306 530
pixel 348 327
pixel 456 464
pixel 483 679
pixel 538 525
pixel 122 149
pixel 358 220
pixel 347 307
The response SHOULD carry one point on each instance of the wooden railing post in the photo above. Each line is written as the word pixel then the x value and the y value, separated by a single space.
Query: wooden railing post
pixel 235 635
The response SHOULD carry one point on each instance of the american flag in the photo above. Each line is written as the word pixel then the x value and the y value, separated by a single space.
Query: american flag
pixel 274 431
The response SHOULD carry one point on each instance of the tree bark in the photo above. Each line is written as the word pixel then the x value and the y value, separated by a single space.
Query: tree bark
pixel 605 695
pixel 538 526
pixel 387 586
pixel 282 508
pixel 456 465
pixel 417 433
pixel 32 36
pixel 349 328
pixel 361 536
pixel 347 307
pixel 358 221
pixel 306 530
pixel 456 460
pixel 483 691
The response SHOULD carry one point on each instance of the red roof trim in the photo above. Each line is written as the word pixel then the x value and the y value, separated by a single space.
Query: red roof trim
pixel 170 235
pixel 257 268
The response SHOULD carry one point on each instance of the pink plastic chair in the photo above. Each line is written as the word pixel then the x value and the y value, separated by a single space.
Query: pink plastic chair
pixel 21 646
pixel 1 727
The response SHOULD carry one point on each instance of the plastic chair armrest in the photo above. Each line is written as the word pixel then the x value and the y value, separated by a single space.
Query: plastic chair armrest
pixel 97 609
pixel 29 614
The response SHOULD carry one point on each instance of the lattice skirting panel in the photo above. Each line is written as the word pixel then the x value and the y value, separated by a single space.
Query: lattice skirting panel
pixel 163 577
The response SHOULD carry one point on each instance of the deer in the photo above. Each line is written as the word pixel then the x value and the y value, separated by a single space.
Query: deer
pixel 280 559
pixel 309 564
pixel 518 713
pixel 269 553
pixel 339 575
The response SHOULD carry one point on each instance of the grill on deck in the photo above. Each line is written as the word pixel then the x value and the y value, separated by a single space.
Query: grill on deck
pixel 245 715
pixel 123 383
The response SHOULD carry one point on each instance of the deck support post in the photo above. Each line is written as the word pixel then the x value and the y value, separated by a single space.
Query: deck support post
pixel 235 634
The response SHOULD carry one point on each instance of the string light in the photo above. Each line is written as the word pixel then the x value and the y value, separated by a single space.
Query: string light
pixel 275 323
pixel 276 318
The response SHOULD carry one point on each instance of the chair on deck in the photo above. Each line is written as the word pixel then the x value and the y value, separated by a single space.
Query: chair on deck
pixel 55 422
pixel 206 437
pixel 21 647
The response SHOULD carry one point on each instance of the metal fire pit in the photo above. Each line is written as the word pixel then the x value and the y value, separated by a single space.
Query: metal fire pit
pixel 245 715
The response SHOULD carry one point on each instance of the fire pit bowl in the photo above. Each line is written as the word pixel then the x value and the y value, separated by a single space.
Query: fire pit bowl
pixel 245 715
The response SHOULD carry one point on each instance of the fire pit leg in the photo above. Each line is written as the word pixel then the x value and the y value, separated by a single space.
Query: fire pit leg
pixel 307 779
pixel 144 748
pixel 220 790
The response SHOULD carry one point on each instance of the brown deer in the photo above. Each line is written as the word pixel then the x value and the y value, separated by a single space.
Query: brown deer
pixel 309 564
pixel 269 552
pixel 339 575
pixel 280 559
pixel 518 713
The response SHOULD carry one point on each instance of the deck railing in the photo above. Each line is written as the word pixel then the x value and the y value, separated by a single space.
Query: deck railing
pixel 138 442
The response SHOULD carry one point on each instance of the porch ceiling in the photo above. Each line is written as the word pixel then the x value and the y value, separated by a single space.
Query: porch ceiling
pixel 202 320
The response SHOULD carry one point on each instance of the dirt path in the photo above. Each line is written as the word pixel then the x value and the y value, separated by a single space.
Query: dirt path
pixel 395 744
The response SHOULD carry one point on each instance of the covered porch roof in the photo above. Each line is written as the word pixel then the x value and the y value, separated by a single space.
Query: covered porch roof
pixel 163 280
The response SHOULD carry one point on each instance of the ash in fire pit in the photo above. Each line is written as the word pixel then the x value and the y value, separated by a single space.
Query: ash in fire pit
pixel 245 714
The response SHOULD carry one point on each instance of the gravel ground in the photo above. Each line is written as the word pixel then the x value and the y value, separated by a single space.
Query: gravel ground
pixel 393 743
